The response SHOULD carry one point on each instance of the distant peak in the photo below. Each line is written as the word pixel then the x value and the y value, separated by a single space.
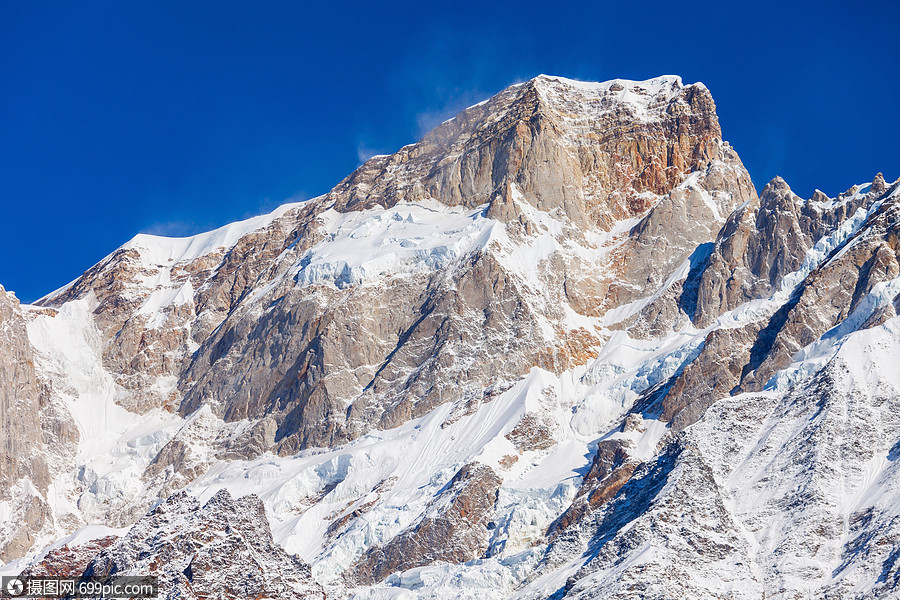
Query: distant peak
pixel 878 184
pixel 776 187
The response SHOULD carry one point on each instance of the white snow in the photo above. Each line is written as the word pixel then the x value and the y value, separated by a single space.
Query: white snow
pixel 632 90
pixel 645 100
pixel 403 468
pixel 115 445
pixel 82 536
pixel 408 238
pixel 393 475
pixel 159 250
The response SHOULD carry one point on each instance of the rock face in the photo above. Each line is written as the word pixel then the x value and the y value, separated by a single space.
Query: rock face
pixel 223 548
pixel 70 560
pixel 719 513
pixel 37 439
pixel 453 530
pixel 559 348
pixel 611 468
pixel 760 244
pixel 745 358
pixel 522 151
pixel 591 151
pixel 331 358
pixel 768 239
pixel 21 455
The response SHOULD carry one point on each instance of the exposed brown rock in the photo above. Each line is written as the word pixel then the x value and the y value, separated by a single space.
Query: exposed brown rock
pixel 139 352
pixel 745 358
pixel 70 560
pixel 328 364
pixel 223 549
pixel 828 295
pixel 712 375
pixel 321 364
pixel 759 244
pixel 531 433
pixel 453 529
pixel 764 241
pixel 22 449
pixel 610 469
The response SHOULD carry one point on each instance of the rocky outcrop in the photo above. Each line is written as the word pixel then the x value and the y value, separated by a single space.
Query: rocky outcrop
pixel 158 298
pixel 69 560
pixel 766 240
pixel 760 244
pixel 714 374
pixel 690 215
pixel 610 469
pixel 223 549
pixel 754 500
pixel 755 250
pixel 829 295
pixel 336 363
pixel 745 358
pixel 24 472
pixel 454 529
pixel 648 514
pixel 316 358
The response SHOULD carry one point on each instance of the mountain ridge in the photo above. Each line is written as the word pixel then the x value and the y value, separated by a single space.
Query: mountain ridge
pixel 524 320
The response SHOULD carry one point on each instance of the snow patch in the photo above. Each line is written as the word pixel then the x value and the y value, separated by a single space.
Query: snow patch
pixel 408 238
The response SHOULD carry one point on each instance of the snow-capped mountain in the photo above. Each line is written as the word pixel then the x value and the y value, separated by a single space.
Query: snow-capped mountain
pixel 559 348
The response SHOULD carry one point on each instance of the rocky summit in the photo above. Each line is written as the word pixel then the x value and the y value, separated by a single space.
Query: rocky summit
pixel 559 348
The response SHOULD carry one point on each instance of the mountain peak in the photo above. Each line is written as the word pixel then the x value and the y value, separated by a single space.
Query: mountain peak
pixel 648 99
pixel 409 375
pixel 566 144
pixel 618 84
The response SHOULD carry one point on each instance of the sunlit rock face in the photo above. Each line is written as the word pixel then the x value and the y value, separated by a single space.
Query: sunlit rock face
pixel 21 452
pixel 37 436
pixel 559 348
pixel 579 178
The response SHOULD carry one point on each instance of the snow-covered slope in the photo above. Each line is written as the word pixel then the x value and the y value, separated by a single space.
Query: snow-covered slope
pixel 559 348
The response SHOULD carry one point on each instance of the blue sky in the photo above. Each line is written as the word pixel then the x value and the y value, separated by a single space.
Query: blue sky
pixel 174 118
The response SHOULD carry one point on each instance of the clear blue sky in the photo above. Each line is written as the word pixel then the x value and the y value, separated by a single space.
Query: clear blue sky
pixel 177 117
